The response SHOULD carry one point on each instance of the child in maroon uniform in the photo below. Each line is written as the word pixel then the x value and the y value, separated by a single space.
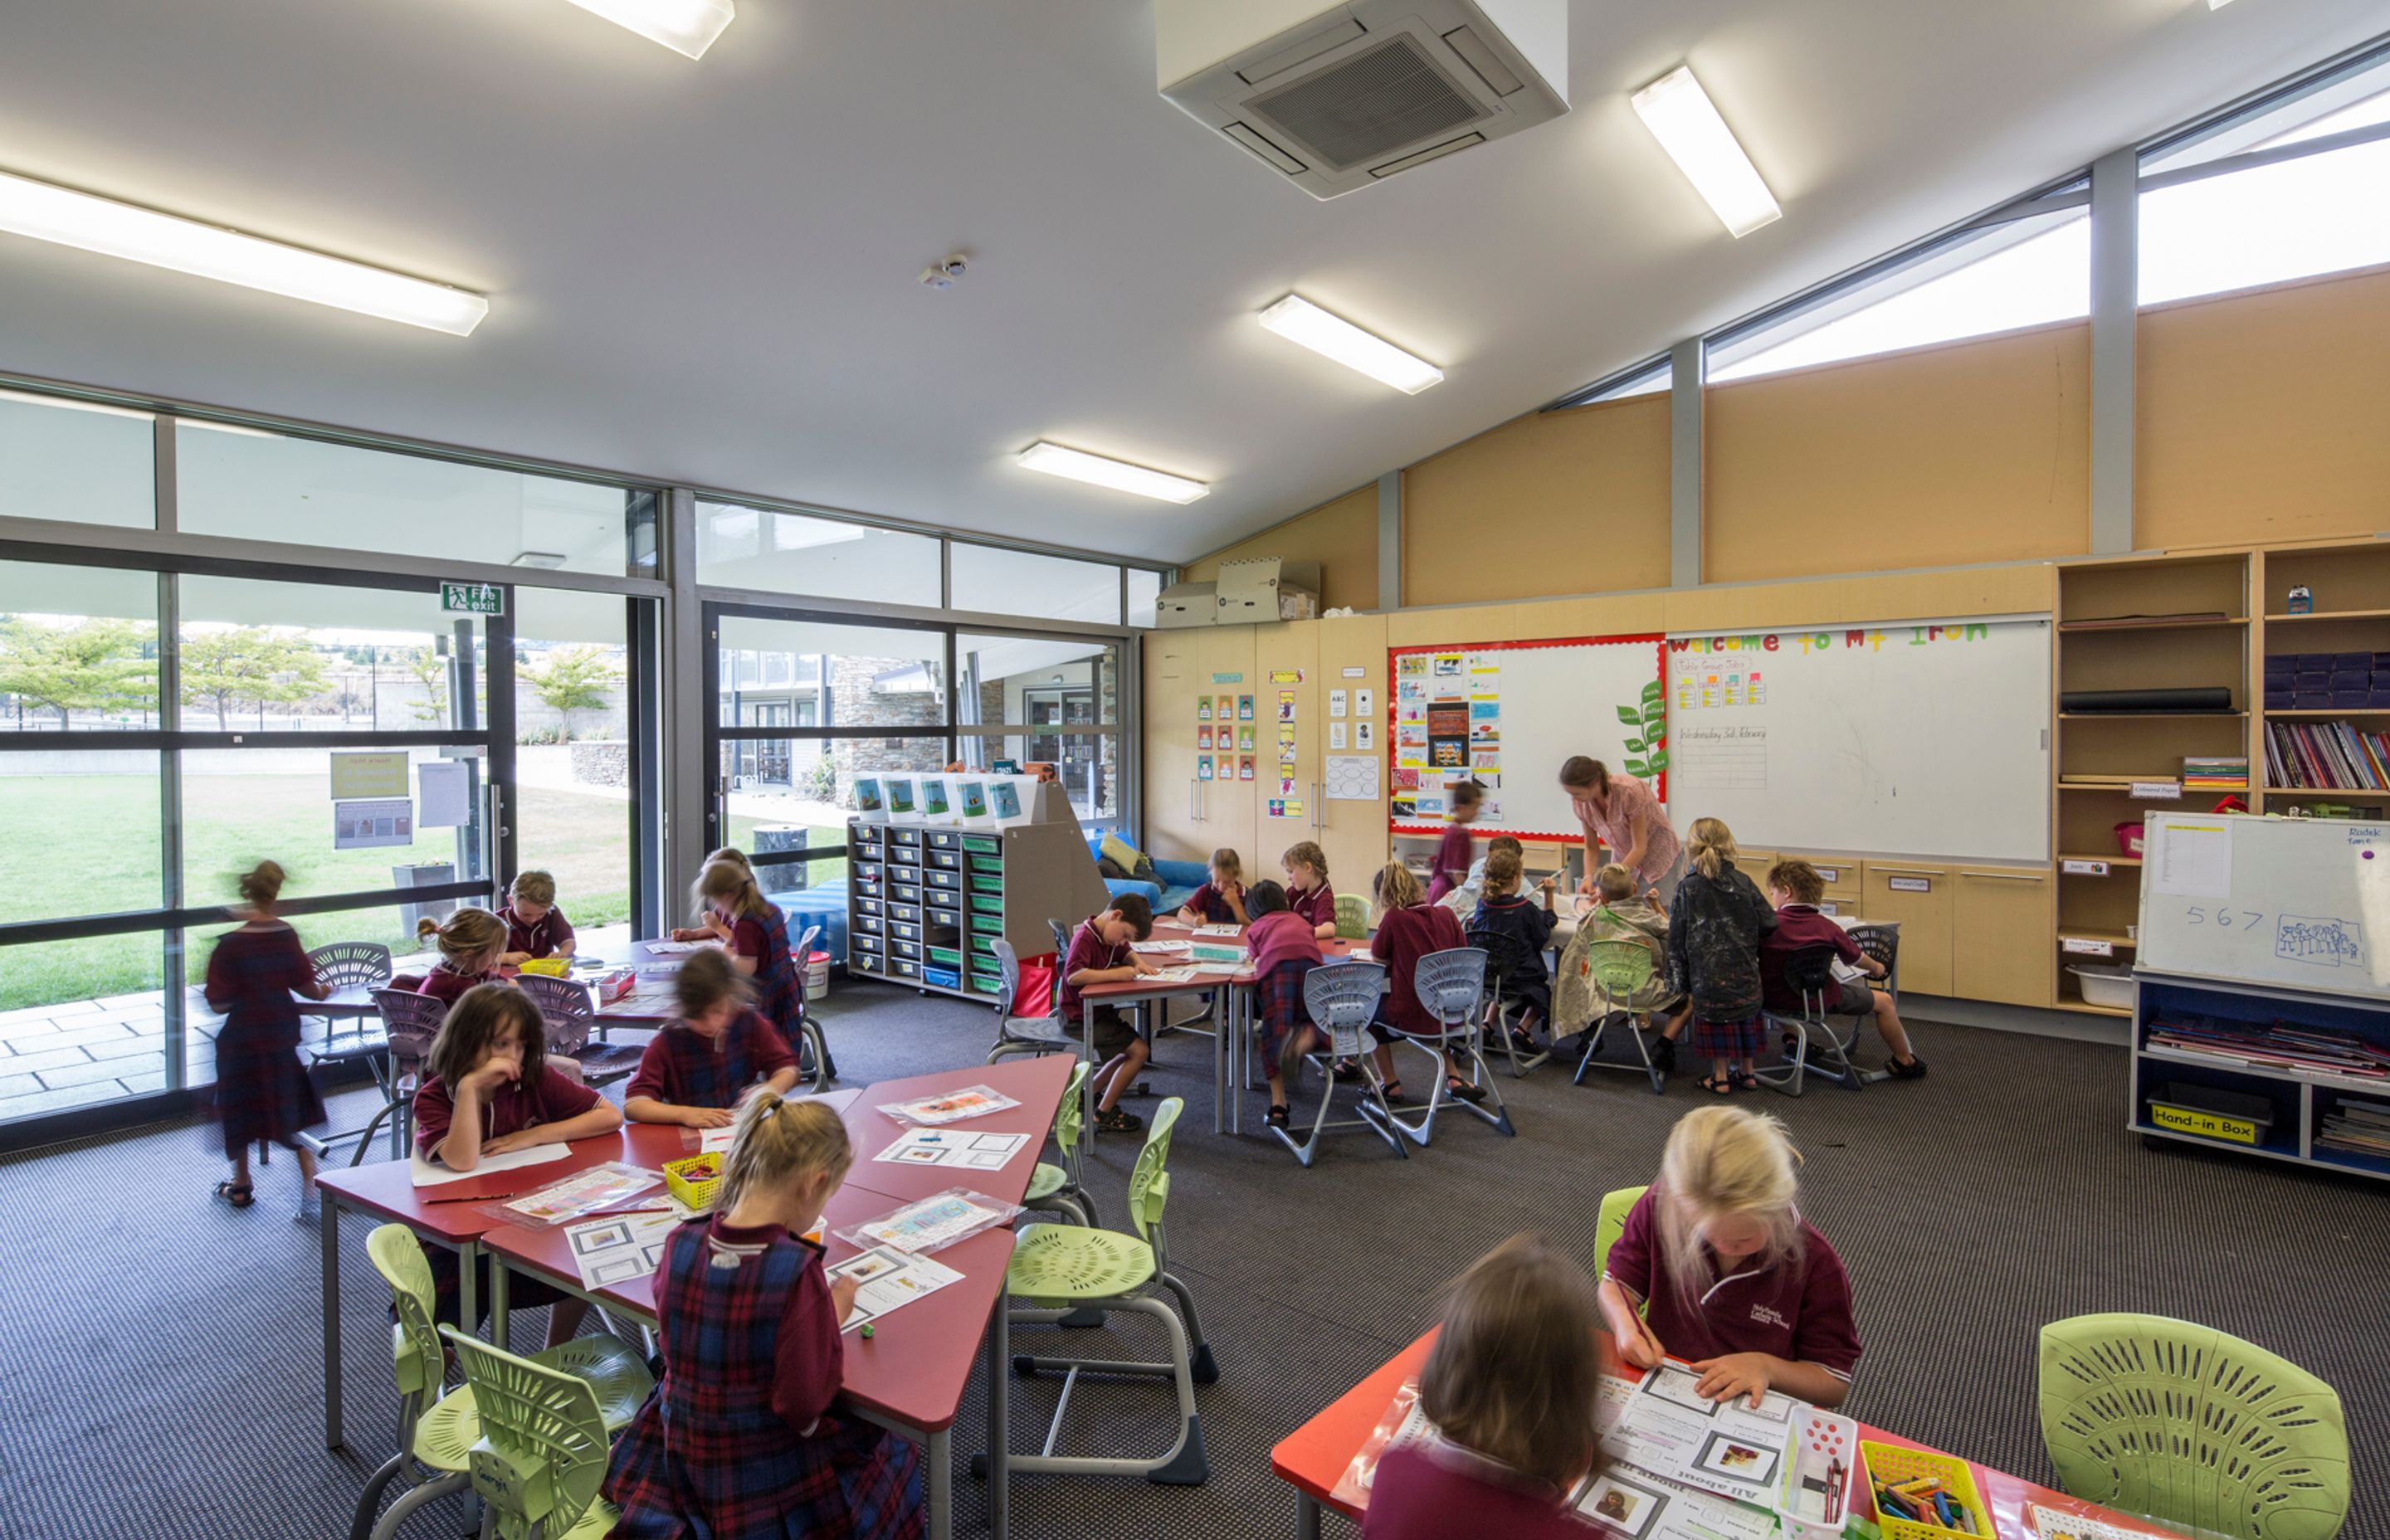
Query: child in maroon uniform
pixel 1307 892
pixel 262 1091
pixel 1408 928
pixel 1221 900
pixel 1100 954
pixel 470 943
pixel 741 1439
pixel 695 1070
pixel 535 926
pixel 1511 1385
pixel 1794 887
pixel 1734 1278
pixel 1454 852
pixel 732 910
pixel 487 1088
pixel 1284 952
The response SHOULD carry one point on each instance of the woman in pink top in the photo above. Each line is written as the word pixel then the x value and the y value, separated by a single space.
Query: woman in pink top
pixel 1620 811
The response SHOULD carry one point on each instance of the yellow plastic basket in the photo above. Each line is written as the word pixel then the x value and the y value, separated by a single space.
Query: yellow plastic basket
pixel 1888 1465
pixel 554 968
pixel 693 1178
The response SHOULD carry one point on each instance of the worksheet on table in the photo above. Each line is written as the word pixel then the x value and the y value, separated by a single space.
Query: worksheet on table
pixel 890 1278
pixel 621 1246
pixel 1726 1446
pixel 943 1147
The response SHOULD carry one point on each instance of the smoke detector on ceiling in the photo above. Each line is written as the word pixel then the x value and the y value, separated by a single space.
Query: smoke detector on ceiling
pixel 943 272
pixel 1334 97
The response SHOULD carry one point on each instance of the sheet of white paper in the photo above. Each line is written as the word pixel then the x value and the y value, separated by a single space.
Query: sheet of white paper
pixel 972 1101
pixel 2050 1524
pixel 1717 1446
pixel 1352 777
pixel 928 1225
pixel 674 948
pixel 889 1280
pixel 1219 930
pixel 1171 976
pixel 376 821
pixel 2192 860
pixel 444 787
pixel 956 1147
pixel 1162 948
pixel 427 1174
pixel 620 1247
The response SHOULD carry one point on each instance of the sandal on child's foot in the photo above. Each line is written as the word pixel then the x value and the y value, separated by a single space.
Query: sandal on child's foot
pixel 1118 1122
pixel 1716 1085
pixel 236 1193
pixel 1278 1117
pixel 1746 1083
pixel 1461 1090
pixel 1393 1090
pixel 1346 1071
pixel 1521 1041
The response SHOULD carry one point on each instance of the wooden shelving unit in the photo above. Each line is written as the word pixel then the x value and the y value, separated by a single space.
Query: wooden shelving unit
pixel 2190 627
pixel 2348 583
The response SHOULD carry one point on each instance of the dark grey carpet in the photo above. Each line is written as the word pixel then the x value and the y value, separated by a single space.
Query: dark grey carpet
pixel 160 1362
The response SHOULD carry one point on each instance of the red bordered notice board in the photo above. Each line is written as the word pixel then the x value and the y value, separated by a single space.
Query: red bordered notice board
pixel 1509 715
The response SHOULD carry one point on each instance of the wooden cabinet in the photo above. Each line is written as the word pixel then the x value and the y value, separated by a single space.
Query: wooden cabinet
pixel 2000 922
pixel 1916 895
pixel 1353 833
pixel 1187 818
pixel 1755 864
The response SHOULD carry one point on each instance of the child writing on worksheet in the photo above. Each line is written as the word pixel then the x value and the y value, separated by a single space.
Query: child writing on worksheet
pixel 487 1090
pixel 1307 892
pixel 1729 1274
pixel 1515 930
pixel 1454 850
pixel 743 1438
pixel 1221 900
pixel 535 926
pixel 1101 953
pixel 1714 925
pixel 1284 952
pixel 1513 1385
pixel 470 942
pixel 262 1092
pixel 696 1069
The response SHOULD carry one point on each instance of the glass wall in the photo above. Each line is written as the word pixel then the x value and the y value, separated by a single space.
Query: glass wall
pixel 991 580
pixel 577 766
pixel 75 462
pixel 1059 699
pixel 791 553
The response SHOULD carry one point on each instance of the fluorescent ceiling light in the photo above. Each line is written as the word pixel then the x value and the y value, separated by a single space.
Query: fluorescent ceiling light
pixel 1121 475
pixel 47 212
pixel 684 26
pixel 2217 5
pixel 1681 115
pixel 548 560
pixel 1298 320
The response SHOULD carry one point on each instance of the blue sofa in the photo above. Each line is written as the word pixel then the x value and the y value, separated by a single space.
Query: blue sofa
pixel 1180 880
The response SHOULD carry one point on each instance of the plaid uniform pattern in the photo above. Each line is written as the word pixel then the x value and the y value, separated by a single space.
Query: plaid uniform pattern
pixel 262 1092
pixel 708 1458
pixel 1742 1039
pixel 777 995
pixel 1279 994
pixel 699 1073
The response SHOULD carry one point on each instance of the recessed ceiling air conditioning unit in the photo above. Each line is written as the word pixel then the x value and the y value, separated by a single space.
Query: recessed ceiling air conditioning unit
pixel 1335 97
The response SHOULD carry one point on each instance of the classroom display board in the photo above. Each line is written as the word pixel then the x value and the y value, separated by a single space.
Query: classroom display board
pixel 1509 715
pixel 2303 902
pixel 1930 738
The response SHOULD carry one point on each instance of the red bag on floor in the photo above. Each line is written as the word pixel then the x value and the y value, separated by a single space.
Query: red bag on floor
pixel 1035 995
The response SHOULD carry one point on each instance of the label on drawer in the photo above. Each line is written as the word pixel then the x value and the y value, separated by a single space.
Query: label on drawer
pixel 1910 884
pixel 1829 874
pixel 2083 946
pixel 2083 868
pixel 2187 1120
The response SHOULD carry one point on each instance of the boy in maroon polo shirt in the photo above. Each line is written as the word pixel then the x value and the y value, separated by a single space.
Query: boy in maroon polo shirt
pixel 1731 1277
pixel 1795 889
pixel 1099 954
pixel 1454 854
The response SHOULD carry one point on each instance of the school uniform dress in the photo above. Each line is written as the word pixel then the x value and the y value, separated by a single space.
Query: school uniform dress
pixel 1799 1309
pixel 764 937
pixel 1800 925
pixel 1453 853
pixel 551 1097
pixel 448 985
pixel 1113 1033
pixel 1213 903
pixel 1404 937
pixel 1284 952
pixel 1438 1491
pixel 262 1092
pixel 1714 926
pixel 1314 907
pixel 739 1440
pixel 683 1069
pixel 542 937
pixel 1519 931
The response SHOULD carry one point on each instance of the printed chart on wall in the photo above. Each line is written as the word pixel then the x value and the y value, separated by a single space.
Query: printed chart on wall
pixel 1508 714
pixel 1928 737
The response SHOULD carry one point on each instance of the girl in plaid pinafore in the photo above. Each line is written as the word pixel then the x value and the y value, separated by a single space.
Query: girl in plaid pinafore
pixel 732 909
pixel 262 1091
pixel 741 1440
pixel 1284 952
pixel 694 1071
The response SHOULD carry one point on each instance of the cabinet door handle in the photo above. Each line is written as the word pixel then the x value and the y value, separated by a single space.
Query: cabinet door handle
pixel 1908 871
pixel 2009 877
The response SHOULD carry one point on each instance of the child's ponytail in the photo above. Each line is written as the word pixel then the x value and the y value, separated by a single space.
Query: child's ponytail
pixel 775 1139
pixel 1724 1163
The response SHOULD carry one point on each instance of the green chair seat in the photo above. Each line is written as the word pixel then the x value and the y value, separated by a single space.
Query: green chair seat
pixel 1054 1266
pixel 1044 1182
pixel 614 1371
pixel 444 1436
pixel 595 1524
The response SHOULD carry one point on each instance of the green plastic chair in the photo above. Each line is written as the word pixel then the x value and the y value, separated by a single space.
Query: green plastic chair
pixel 1611 1224
pixel 2192 1428
pixel 1063 1270
pixel 436 1432
pixel 1062 1189
pixel 1352 918
pixel 1618 970
pixel 542 1454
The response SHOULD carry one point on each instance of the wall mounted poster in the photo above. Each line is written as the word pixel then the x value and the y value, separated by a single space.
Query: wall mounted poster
pixel 1244 767
pixel 1202 767
pixel 1227 704
pixel 1245 708
pixel 1202 738
pixel 1202 708
pixel 377 821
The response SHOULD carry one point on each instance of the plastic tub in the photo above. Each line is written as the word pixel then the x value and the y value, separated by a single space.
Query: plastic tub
pixel 2129 837
pixel 2104 986
pixel 817 976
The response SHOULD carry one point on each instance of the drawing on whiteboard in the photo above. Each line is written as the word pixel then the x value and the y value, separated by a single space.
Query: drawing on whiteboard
pixel 2318 942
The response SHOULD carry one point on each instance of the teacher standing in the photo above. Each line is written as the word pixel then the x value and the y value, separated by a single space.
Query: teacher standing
pixel 1621 812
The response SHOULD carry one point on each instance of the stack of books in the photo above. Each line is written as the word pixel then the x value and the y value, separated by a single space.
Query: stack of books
pixel 2322 755
pixel 2327 681
pixel 2360 1128
pixel 2216 773
pixel 2286 1047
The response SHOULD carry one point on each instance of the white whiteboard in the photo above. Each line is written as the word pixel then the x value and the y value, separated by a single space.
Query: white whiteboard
pixel 2304 902
pixel 1924 738
pixel 1534 704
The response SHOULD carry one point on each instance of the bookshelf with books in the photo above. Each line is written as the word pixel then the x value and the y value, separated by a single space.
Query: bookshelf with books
pixel 2323 626
pixel 2153 682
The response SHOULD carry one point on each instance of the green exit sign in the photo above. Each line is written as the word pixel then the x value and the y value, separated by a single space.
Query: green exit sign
pixel 472 598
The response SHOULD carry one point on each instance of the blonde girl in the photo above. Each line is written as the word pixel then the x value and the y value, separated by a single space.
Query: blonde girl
pixel 1511 1385
pixel 1729 1274
pixel 1221 900
pixel 470 942
pixel 732 910
pixel 753 1354
pixel 1715 923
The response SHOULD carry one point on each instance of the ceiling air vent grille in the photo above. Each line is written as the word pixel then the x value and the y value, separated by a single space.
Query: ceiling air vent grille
pixel 1368 105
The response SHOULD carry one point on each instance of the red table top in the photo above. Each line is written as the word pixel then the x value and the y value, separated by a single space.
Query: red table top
pixel 451 1211
pixel 1313 1458
pixel 1035 1083
pixel 1208 975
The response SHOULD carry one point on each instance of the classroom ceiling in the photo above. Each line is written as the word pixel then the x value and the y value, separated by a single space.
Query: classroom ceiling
pixel 706 271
